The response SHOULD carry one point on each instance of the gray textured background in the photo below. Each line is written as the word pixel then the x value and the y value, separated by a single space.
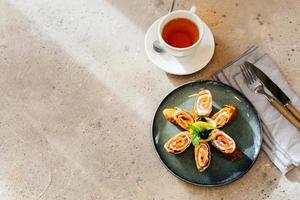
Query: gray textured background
pixel 78 95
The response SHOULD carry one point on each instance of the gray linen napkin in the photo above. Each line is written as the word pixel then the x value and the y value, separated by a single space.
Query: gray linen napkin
pixel 281 140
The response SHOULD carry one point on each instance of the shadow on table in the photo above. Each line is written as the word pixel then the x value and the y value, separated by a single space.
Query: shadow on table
pixel 258 183
pixel 294 175
pixel 58 119
pixel 61 135
pixel 221 57
pixel 143 13
pixel 148 12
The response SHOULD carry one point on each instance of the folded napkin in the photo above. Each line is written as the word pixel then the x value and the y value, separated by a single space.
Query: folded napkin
pixel 281 140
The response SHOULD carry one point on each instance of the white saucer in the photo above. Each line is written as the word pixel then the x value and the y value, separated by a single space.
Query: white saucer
pixel 180 65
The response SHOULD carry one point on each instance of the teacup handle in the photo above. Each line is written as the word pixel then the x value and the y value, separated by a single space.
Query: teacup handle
pixel 193 9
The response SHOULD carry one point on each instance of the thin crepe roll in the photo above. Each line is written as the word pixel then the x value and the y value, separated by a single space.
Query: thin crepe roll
pixel 203 105
pixel 224 116
pixel 178 143
pixel 223 142
pixel 178 117
pixel 202 156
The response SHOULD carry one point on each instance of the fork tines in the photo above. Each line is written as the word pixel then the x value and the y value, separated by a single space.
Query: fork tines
pixel 248 74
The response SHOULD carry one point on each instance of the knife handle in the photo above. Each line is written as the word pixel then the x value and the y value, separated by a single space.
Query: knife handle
pixel 293 110
pixel 285 112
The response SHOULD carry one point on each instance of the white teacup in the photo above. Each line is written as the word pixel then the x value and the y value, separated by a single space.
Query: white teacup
pixel 190 15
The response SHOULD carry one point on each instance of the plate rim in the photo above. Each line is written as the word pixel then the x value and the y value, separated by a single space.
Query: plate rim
pixel 184 179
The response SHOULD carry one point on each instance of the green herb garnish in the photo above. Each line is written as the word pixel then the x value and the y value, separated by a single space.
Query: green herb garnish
pixel 194 133
pixel 199 132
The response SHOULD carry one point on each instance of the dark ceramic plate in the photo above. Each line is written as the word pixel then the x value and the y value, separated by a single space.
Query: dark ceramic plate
pixel 245 129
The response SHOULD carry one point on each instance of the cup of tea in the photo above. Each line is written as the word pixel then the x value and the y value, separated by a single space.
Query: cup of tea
pixel 180 32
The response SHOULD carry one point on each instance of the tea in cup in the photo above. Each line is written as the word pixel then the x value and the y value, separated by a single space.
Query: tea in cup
pixel 180 32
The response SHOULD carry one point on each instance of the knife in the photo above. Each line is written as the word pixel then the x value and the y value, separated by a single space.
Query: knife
pixel 275 90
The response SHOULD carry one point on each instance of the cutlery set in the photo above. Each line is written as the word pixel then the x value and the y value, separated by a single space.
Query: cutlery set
pixel 256 80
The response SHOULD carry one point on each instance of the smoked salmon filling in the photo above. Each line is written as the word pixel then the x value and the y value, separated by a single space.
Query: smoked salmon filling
pixel 202 156
pixel 178 117
pixel 178 143
pixel 222 141
pixel 224 116
pixel 203 105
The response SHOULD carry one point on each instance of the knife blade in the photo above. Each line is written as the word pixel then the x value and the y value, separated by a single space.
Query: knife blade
pixel 274 89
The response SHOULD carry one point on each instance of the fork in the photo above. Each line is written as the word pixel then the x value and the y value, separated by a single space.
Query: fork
pixel 255 85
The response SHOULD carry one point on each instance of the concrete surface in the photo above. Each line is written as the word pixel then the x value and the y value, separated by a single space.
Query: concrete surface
pixel 78 95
